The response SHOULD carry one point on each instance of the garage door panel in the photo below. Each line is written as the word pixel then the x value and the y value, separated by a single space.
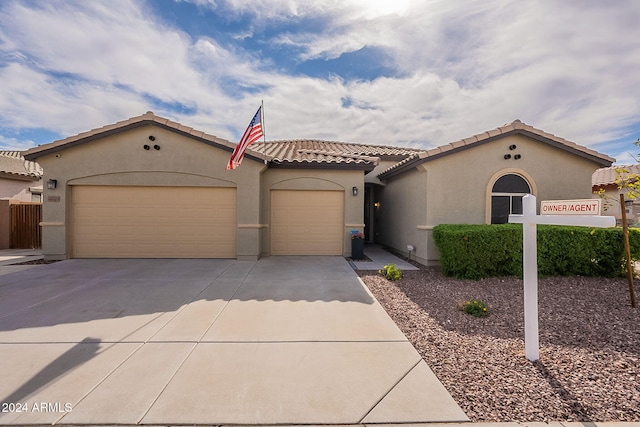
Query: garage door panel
pixel 307 222
pixel 153 222
pixel 229 214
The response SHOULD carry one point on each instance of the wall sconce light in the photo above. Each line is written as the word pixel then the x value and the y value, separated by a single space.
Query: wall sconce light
pixel 52 184
pixel 355 191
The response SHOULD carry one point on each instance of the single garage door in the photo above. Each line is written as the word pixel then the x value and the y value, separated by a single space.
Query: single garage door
pixel 153 222
pixel 307 222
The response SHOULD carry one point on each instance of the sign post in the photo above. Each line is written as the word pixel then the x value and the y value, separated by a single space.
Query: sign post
pixel 568 212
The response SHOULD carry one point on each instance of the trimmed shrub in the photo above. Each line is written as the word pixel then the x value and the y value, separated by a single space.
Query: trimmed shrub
pixel 391 272
pixel 634 242
pixel 580 251
pixel 478 251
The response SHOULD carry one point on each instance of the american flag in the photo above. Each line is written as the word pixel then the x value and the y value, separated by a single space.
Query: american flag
pixel 251 135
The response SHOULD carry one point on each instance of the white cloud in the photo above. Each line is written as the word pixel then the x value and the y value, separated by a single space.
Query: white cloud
pixel 627 158
pixel 81 65
pixel 113 43
pixel 267 10
pixel 567 68
pixel 13 144
pixel 284 9
pixel 37 101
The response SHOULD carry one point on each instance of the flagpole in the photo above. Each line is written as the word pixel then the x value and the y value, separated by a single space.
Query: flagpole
pixel 264 134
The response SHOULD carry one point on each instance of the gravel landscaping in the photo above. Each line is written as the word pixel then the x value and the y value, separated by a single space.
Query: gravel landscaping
pixel 589 367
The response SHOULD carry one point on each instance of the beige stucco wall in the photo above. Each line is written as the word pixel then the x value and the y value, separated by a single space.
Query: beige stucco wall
pixel 315 179
pixel 456 188
pixel 17 190
pixel 5 224
pixel 121 160
pixel 403 207
pixel 611 205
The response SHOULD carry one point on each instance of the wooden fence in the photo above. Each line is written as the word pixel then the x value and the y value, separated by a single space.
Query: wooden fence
pixel 26 232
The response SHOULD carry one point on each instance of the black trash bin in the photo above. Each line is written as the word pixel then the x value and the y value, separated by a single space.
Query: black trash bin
pixel 357 248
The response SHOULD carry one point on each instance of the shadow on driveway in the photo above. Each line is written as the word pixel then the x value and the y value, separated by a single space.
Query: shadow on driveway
pixel 280 341
pixel 76 356
pixel 80 291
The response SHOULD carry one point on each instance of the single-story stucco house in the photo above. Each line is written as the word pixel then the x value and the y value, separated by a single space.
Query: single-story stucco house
pixel 20 182
pixel 20 179
pixel 606 180
pixel 478 180
pixel 151 187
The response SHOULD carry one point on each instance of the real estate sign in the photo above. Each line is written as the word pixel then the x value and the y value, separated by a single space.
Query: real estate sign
pixel 571 207
pixel 585 213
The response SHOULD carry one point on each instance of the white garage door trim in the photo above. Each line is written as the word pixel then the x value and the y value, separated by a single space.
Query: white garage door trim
pixel 153 222
pixel 307 222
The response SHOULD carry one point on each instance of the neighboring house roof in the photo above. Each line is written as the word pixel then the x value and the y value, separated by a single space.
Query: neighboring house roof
pixel 608 176
pixel 513 128
pixel 308 151
pixel 13 165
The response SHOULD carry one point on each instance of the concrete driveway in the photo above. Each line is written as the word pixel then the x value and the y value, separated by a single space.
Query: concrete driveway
pixel 285 340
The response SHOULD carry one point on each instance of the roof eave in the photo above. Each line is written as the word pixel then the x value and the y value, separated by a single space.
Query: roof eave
pixel 36 152
pixel 56 146
pixel 19 176
pixel 408 165
pixel 600 160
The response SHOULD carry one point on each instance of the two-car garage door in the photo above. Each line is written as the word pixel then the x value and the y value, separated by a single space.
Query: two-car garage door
pixel 153 222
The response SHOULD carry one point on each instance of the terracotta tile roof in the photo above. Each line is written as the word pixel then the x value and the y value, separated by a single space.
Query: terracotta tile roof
pixel 317 151
pixel 608 176
pixel 148 118
pixel 515 127
pixel 13 163
pixel 278 153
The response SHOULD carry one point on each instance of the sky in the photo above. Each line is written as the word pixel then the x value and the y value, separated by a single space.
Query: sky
pixel 408 73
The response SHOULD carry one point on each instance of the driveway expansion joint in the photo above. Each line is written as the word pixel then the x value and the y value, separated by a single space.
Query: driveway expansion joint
pixel 255 346
pixel 388 391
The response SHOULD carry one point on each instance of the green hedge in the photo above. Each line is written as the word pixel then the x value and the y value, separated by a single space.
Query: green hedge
pixel 478 251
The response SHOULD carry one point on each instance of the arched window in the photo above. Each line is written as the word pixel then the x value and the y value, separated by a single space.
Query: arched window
pixel 506 197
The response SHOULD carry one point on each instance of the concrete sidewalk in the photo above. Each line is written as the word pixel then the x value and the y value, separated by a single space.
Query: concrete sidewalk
pixel 10 257
pixel 285 340
pixel 533 424
pixel 379 258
